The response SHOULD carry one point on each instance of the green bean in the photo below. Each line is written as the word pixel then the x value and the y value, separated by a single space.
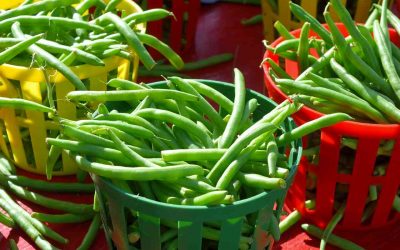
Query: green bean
pixel 213 94
pixel 195 185
pixel 347 20
pixel 90 236
pixel 54 155
pixel 6 164
pixel 32 232
pixel 312 126
pixel 87 137
pixel 133 130
pixel 200 64
pixel 27 223
pixel 157 73
pixel 326 83
pixel 396 203
pixel 294 217
pixel 383 23
pixel 112 4
pixel 202 105
pixel 272 156
pixel 371 18
pixel 290 55
pixel 44 21
pixel 246 120
pixel 366 93
pixel 184 139
pixel 341 99
pixel 68 59
pixel 139 121
pixel 163 48
pixel 6 221
pixel 49 202
pixel 210 198
pixel 61 218
pixel 13 244
pixel 259 181
pixel 101 130
pixel 278 70
pixel 134 157
pixel 130 37
pixel 331 225
pixel 33 8
pixel 258 129
pixel 86 4
pixel 17 103
pixel 321 63
pixel 283 32
pixel 393 19
pixel 81 55
pixel 232 126
pixel 126 95
pixel 387 60
pixel 26 2
pixel 301 14
pixel 188 154
pixel 303 49
pixel 16 49
pixel 333 239
pixel 137 173
pixel 340 44
pixel 48 186
pixel 50 59
pixel 125 84
pixel 98 151
pixel 178 120
pixel 252 20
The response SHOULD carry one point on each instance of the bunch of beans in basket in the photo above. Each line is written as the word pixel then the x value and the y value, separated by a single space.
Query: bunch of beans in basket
pixel 174 147
pixel 356 74
pixel 55 35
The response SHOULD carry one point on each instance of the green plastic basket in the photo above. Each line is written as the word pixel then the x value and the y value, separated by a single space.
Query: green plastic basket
pixel 115 204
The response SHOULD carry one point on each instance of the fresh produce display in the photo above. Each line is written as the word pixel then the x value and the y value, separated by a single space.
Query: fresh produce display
pixel 51 43
pixel 334 72
pixel 13 215
pixel 174 147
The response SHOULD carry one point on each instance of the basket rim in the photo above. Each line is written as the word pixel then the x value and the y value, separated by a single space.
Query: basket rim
pixel 312 114
pixel 249 204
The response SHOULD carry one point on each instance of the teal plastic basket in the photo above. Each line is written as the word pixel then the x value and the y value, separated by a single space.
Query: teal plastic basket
pixel 115 205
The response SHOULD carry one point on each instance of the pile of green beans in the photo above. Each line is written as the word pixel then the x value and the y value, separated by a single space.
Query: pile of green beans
pixel 61 34
pixel 13 215
pixel 173 146
pixel 58 35
pixel 357 75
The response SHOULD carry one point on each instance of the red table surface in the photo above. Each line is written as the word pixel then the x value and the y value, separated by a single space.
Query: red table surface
pixel 219 31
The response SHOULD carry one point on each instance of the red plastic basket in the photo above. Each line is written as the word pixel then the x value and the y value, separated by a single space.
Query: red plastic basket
pixel 369 136
pixel 182 29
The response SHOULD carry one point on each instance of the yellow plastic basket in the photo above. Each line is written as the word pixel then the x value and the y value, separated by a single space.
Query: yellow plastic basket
pixel 26 131
pixel 274 10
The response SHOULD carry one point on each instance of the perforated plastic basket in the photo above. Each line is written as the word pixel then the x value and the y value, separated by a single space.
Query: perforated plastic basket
pixel 27 131
pixel 115 205
pixel 280 11
pixel 326 171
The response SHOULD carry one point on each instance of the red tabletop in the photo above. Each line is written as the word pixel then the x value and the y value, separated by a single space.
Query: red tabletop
pixel 219 31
